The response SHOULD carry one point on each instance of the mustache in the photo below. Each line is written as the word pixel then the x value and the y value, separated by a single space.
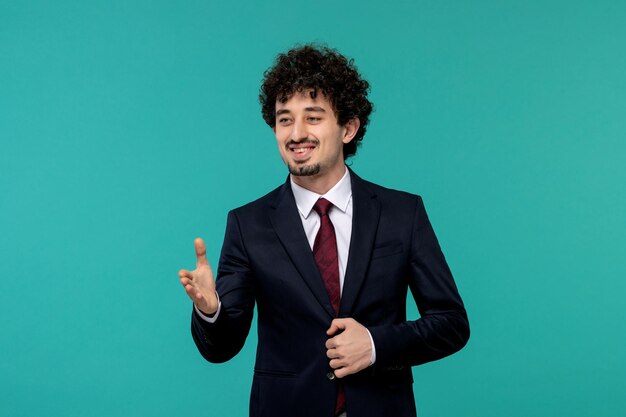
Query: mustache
pixel 314 142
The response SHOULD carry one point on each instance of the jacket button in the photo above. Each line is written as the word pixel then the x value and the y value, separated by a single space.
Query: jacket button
pixel 330 375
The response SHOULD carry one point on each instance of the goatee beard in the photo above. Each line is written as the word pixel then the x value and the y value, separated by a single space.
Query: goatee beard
pixel 304 171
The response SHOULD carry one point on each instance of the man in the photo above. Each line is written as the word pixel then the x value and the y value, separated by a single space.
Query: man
pixel 328 259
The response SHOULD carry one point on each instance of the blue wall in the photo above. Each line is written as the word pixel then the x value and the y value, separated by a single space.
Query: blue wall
pixel 127 128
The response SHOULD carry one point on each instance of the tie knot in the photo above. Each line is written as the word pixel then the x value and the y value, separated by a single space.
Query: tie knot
pixel 322 206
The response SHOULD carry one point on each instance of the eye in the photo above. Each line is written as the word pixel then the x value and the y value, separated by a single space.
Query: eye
pixel 314 119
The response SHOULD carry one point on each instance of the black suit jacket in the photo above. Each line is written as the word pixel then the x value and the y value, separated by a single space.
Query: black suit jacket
pixel 266 259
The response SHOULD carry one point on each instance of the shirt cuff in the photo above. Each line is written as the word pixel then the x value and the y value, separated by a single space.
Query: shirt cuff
pixel 213 318
pixel 373 359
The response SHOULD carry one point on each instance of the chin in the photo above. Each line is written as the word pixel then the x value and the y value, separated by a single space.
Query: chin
pixel 304 170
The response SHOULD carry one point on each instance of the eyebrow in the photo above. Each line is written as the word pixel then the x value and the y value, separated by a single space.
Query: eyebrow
pixel 316 108
pixel 309 109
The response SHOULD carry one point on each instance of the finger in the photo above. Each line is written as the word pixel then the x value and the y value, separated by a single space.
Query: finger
pixel 335 326
pixel 342 372
pixel 183 273
pixel 331 344
pixel 337 363
pixel 200 252
pixel 193 293
pixel 332 354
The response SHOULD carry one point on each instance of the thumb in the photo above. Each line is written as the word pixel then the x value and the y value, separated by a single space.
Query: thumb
pixel 336 326
pixel 200 252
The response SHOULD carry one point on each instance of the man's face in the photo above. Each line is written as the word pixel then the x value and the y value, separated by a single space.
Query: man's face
pixel 310 140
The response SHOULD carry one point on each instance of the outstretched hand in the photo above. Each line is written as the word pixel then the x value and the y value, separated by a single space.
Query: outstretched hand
pixel 350 348
pixel 199 283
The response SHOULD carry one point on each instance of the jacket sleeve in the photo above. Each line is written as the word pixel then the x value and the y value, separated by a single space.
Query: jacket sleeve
pixel 443 327
pixel 222 340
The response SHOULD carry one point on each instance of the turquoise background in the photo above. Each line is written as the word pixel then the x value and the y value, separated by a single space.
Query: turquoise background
pixel 127 128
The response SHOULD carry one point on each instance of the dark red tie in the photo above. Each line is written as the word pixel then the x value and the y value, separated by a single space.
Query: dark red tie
pixel 325 253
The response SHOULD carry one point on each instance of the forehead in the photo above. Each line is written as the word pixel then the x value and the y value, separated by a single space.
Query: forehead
pixel 304 100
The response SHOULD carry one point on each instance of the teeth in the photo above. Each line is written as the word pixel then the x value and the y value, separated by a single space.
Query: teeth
pixel 300 150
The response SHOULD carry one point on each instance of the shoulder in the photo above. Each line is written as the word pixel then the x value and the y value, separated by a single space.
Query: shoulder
pixel 263 203
pixel 384 194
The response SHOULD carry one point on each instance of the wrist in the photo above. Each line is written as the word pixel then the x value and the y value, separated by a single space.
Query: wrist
pixel 209 308
pixel 206 310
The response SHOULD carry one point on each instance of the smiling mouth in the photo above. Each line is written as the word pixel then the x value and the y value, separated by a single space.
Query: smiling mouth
pixel 301 149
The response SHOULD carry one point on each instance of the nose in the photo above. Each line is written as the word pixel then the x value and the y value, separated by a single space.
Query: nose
pixel 299 131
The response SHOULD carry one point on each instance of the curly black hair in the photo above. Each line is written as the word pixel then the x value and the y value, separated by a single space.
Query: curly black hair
pixel 320 69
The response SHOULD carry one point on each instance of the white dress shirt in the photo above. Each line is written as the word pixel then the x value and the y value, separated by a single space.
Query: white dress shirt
pixel 340 215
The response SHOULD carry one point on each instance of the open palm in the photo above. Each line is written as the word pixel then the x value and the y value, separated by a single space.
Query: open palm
pixel 199 283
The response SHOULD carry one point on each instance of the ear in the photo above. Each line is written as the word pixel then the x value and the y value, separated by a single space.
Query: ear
pixel 351 127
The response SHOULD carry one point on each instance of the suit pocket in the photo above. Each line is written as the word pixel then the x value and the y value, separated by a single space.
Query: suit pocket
pixel 387 249
pixel 273 394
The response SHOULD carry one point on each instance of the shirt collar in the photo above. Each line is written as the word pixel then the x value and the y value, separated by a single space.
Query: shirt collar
pixel 339 195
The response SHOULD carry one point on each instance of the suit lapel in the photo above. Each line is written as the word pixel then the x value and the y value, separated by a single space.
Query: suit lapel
pixel 365 216
pixel 288 227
